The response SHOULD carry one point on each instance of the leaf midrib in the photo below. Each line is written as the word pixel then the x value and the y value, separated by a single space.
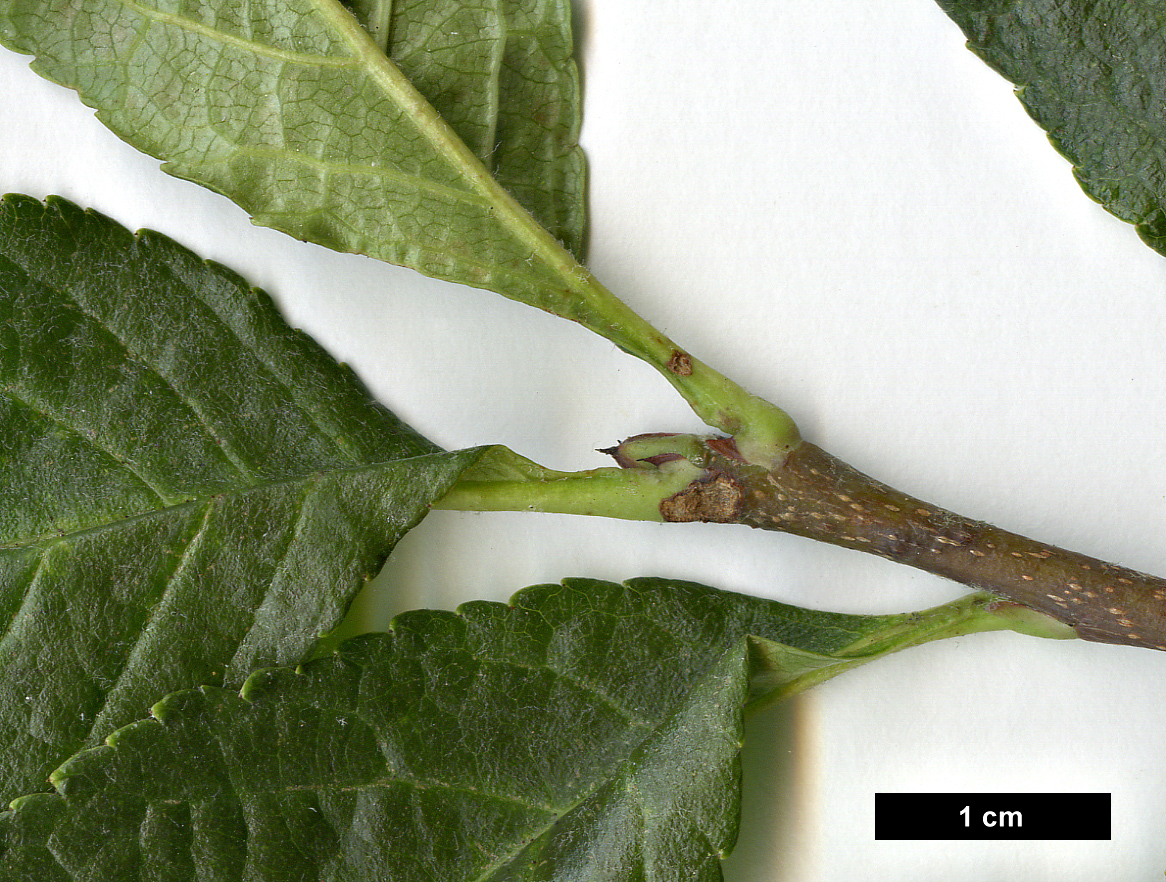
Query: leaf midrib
pixel 50 539
pixel 517 221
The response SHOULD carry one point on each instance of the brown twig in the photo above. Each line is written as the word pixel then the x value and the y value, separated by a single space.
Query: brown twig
pixel 814 494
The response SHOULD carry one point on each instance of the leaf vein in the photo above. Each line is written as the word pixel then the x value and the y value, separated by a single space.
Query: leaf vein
pixel 416 182
pixel 484 269
pixel 50 539
pixel 333 434
pixel 632 718
pixel 140 643
pixel 40 409
pixel 268 51
pixel 26 597
pixel 231 455
pixel 416 783
pixel 53 539
pixel 311 492
pixel 494 87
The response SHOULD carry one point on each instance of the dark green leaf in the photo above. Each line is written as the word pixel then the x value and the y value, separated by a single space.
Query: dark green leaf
pixel 588 731
pixel 189 489
pixel 1091 73
pixel 291 109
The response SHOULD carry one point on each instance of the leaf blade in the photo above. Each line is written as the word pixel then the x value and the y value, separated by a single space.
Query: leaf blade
pixel 1089 74
pixel 502 75
pixel 198 491
pixel 292 111
pixel 504 742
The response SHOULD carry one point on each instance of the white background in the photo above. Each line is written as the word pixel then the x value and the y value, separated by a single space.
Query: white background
pixel 840 207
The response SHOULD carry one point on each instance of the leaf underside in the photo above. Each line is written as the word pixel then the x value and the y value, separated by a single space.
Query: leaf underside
pixel 287 107
pixel 189 489
pixel 502 74
pixel 587 731
pixel 1090 72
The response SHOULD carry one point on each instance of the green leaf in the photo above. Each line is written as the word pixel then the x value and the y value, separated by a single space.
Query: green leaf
pixel 291 109
pixel 501 73
pixel 588 731
pixel 1090 73
pixel 189 489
